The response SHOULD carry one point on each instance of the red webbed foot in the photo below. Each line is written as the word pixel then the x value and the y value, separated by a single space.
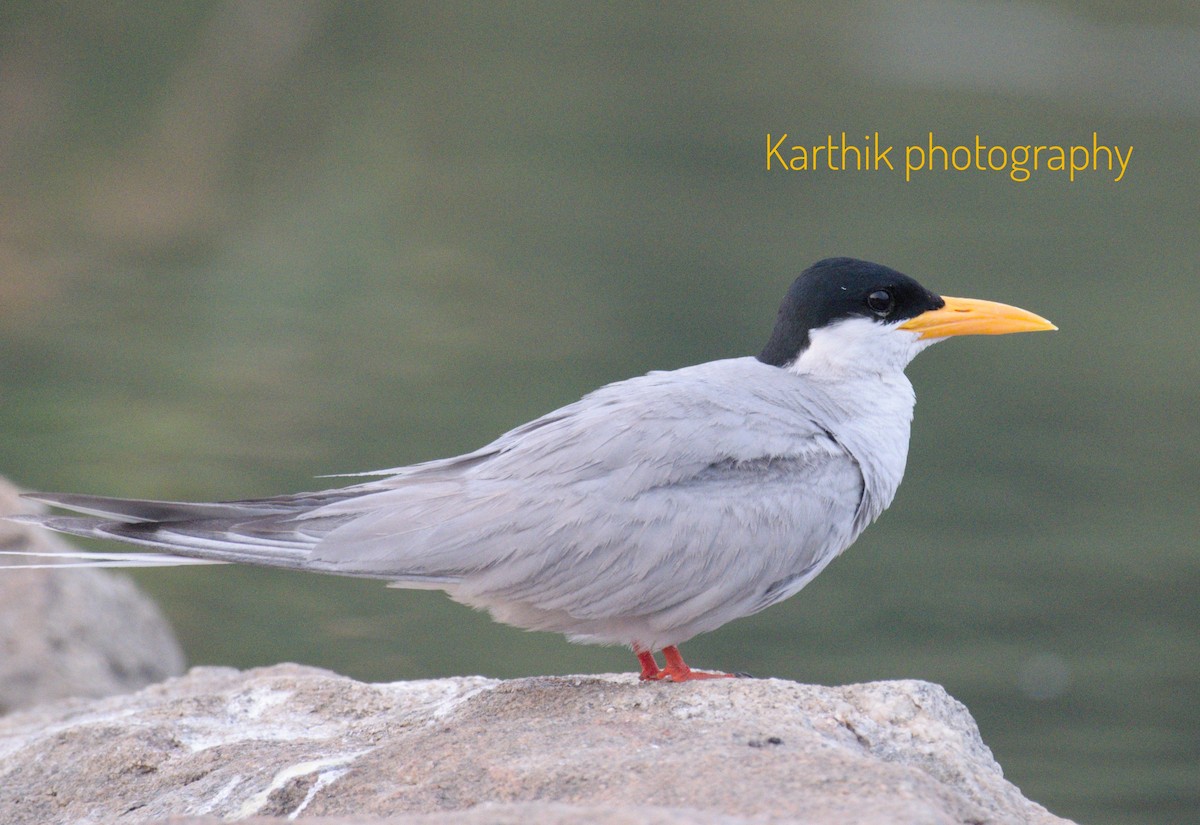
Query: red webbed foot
pixel 676 669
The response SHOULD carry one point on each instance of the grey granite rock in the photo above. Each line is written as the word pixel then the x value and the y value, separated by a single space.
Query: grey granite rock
pixel 295 741
pixel 73 632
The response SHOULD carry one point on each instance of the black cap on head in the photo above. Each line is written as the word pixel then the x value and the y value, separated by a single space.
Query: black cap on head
pixel 839 288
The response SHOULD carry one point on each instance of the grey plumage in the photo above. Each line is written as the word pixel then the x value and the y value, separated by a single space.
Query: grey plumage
pixel 647 512
pixel 652 509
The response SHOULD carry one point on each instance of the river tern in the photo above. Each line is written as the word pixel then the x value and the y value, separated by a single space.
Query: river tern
pixel 649 511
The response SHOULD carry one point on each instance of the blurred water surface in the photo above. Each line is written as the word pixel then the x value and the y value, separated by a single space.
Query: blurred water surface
pixel 244 244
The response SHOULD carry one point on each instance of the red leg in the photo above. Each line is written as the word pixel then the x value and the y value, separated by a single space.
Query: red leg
pixel 677 671
pixel 650 671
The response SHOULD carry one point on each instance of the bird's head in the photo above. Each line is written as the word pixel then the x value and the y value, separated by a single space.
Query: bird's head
pixel 843 315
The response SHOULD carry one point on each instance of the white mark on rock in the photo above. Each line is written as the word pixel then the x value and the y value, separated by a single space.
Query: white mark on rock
pixel 254 703
pixel 323 779
pixel 434 699
pixel 220 796
pixel 318 766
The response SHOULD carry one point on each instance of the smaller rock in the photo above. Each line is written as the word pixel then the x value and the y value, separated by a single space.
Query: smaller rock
pixel 77 632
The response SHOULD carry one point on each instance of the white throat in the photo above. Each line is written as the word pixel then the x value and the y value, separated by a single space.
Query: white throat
pixel 860 364
pixel 858 346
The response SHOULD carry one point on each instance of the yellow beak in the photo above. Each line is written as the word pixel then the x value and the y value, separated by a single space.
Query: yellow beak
pixel 968 316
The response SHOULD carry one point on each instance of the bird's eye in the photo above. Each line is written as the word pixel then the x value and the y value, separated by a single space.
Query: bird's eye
pixel 881 302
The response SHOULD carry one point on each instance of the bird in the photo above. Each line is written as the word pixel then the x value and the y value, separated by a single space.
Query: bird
pixel 650 511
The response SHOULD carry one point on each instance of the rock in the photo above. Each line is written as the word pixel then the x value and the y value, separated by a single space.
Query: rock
pixel 74 632
pixel 290 740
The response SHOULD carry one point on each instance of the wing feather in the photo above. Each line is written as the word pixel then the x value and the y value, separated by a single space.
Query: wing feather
pixel 667 504
pixel 683 497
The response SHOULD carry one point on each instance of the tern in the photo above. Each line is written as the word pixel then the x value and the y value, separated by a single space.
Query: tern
pixel 650 511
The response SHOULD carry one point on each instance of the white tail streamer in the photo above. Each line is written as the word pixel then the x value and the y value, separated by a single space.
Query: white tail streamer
pixel 80 558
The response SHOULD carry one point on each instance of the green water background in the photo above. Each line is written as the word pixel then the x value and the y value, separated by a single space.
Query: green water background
pixel 242 245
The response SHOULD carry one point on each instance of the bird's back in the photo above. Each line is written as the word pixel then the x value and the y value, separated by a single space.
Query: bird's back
pixel 650 510
pixel 666 504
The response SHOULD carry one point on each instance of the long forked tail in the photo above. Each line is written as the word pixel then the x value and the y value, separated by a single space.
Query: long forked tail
pixel 269 532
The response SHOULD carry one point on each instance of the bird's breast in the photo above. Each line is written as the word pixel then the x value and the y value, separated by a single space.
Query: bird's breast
pixel 870 417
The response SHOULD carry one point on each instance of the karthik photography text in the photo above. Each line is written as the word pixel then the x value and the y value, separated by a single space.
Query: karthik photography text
pixel 934 155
